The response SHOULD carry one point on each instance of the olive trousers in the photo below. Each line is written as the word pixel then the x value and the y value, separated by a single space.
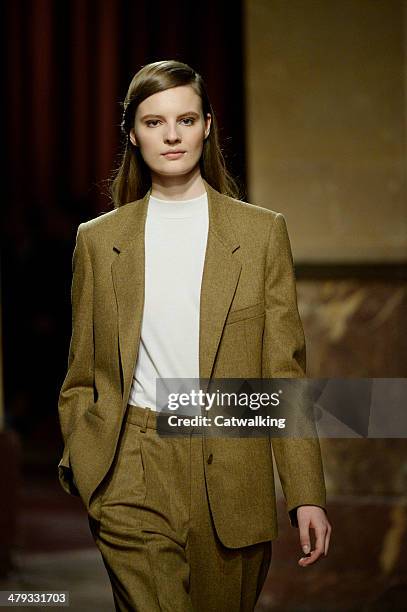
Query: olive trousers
pixel 156 534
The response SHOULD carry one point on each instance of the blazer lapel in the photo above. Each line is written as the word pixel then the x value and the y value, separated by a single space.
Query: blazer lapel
pixel 221 273
pixel 128 281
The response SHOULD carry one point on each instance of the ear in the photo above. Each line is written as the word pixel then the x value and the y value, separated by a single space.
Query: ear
pixel 133 137
pixel 207 125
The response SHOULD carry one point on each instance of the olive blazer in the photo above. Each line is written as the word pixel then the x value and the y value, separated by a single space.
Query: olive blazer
pixel 249 328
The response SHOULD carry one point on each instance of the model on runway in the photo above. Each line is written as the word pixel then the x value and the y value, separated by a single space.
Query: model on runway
pixel 182 280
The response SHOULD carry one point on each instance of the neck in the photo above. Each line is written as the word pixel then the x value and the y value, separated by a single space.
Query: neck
pixel 183 187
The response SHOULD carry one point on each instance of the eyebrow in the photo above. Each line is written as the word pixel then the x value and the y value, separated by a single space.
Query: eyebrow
pixel 195 114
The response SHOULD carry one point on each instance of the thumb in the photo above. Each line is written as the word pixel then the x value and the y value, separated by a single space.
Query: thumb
pixel 305 540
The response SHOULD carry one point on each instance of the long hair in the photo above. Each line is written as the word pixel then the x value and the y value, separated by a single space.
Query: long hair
pixel 132 179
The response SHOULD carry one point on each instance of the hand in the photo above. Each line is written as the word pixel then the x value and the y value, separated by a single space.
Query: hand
pixel 315 518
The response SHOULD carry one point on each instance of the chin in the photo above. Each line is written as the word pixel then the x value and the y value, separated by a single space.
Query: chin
pixel 176 170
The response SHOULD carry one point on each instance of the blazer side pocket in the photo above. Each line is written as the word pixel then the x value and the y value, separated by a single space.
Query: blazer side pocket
pixel 246 313
pixel 95 411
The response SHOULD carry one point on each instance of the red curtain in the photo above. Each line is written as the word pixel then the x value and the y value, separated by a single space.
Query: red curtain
pixel 67 66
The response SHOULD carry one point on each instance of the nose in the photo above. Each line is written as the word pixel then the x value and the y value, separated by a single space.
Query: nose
pixel 171 134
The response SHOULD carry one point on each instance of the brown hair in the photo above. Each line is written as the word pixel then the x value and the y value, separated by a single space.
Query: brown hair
pixel 132 179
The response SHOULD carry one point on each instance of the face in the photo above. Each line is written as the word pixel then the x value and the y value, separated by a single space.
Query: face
pixel 167 122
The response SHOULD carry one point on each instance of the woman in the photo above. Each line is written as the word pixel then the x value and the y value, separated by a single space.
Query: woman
pixel 181 280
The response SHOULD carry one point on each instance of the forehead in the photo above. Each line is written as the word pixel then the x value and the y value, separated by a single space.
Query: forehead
pixel 173 100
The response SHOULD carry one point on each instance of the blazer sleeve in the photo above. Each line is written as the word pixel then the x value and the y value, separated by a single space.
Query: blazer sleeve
pixel 298 459
pixel 77 389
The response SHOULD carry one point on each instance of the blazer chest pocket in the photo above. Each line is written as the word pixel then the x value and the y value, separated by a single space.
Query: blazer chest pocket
pixel 249 312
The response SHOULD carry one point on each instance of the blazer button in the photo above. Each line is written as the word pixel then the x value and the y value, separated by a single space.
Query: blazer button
pixel 210 459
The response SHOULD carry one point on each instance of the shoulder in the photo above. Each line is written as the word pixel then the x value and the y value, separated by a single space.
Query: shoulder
pixel 256 226
pixel 249 209
pixel 242 212
pixel 108 223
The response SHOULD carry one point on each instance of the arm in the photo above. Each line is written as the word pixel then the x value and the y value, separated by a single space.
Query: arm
pixel 298 460
pixel 77 389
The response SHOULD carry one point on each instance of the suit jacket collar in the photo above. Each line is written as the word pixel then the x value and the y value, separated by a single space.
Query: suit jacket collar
pixel 219 222
pixel 221 273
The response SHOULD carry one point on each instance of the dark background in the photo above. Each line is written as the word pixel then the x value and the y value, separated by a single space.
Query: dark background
pixel 68 66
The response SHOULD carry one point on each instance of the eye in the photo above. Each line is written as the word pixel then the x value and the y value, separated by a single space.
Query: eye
pixel 191 119
pixel 150 121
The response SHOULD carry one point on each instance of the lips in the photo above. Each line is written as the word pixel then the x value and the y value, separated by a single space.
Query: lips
pixel 173 154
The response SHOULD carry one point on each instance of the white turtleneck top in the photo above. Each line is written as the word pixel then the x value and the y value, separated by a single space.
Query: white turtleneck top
pixel 175 244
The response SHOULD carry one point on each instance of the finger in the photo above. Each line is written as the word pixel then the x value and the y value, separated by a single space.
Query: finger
pixel 320 533
pixel 304 561
pixel 327 540
pixel 305 540
pixel 309 560
pixel 319 548
pixel 314 556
